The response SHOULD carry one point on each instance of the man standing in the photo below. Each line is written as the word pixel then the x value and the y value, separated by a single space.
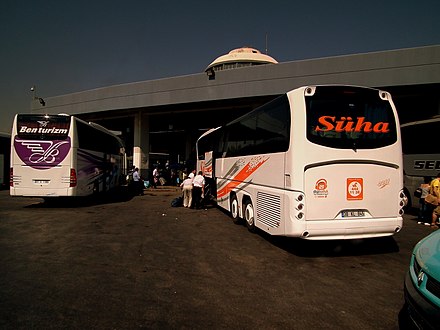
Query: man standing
pixel 155 176
pixel 198 189
pixel 137 182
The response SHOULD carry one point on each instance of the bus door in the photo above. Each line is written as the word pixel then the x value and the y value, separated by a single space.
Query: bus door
pixel 207 167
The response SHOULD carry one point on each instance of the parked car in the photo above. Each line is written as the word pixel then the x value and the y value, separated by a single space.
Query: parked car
pixel 422 283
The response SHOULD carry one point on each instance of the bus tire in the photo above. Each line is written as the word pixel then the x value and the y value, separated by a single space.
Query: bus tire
pixel 234 209
pixel 249 216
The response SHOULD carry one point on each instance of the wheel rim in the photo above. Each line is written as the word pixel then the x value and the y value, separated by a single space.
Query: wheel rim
pixel 234 208
pixel 249 215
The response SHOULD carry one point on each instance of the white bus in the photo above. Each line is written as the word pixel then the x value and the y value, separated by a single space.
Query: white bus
pixel 320 162
pixel 61 155
pixel 421 158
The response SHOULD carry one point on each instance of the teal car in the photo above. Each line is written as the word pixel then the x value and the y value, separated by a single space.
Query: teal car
pixel 422 283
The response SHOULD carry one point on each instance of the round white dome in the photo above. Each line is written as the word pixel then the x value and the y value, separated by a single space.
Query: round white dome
pixel 245 56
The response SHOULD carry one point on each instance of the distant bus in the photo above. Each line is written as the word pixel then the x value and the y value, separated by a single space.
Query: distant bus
pixel 421 154
pixel 5 149
pixel 320 162
pixel 61 155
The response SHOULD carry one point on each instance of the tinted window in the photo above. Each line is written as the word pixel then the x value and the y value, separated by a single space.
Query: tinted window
pixel 210 142
pixel 90 138
pixel 349 118
pixel 414 134
pixel 43 127
pixel 264 130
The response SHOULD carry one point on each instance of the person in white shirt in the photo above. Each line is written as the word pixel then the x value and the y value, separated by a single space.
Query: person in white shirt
pixel 187 186
pixel 137 182
pixel 155 177
pixel 198 189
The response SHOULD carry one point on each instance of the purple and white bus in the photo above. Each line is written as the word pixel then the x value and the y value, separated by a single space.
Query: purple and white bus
pixel 61 155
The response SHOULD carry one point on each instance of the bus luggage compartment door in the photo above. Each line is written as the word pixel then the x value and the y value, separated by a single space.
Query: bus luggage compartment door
pixel 44 183
pixel 351 191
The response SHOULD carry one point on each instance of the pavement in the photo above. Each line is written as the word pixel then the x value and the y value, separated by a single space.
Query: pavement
pixel 136 262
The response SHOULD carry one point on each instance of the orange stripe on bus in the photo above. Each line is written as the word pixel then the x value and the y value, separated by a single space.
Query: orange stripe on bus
pixel 241 176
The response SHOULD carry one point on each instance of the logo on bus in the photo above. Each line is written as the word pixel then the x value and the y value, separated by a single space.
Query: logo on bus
pixel 42 154
pixel 427 165
pixel 355 189
pixel 320 190
pixel 348 124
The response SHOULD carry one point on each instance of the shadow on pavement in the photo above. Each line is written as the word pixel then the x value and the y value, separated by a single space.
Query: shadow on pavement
pixel 117 196
pixel 334 248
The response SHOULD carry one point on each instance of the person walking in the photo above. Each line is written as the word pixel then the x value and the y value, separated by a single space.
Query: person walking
pixel 198 190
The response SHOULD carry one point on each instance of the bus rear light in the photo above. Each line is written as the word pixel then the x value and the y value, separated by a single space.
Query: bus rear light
pixel 11 177
pixel 299 205
pixel 73 179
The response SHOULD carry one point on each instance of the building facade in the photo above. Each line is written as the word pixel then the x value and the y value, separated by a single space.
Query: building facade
pixel 161 119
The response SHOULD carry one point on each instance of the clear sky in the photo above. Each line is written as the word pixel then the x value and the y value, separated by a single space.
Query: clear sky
pixel 63 47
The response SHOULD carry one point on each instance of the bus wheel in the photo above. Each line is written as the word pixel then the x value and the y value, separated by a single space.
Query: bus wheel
pixel 249 216
pixel 234 209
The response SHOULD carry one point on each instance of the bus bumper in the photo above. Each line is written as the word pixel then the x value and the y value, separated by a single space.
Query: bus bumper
pixel 351 229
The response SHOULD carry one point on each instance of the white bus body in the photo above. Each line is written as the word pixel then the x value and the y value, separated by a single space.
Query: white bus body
pixel 320 162
pixel 420 157
pixel 60 155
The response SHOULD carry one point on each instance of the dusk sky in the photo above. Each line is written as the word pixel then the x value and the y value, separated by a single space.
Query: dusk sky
pixel 63 47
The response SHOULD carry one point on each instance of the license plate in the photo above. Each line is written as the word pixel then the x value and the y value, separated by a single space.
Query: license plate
pixel 41 181
pixel 353 213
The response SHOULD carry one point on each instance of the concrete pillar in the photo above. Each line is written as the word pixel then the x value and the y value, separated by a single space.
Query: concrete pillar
pixel 141 151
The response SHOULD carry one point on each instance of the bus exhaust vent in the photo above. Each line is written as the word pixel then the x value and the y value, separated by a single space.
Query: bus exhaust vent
pixel 268 209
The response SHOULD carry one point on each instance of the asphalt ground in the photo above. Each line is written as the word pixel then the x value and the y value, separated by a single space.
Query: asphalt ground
pixel 136 262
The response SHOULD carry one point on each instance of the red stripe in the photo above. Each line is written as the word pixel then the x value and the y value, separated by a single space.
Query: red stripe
pixel 241 176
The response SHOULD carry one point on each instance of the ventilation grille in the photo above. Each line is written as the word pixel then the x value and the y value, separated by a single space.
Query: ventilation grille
pixel 268 209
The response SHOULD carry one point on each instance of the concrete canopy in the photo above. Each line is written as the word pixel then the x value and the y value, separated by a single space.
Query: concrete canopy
pixel 414 71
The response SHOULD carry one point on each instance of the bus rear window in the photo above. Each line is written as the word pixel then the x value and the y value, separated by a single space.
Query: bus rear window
pixel 43 127
pixel 350 118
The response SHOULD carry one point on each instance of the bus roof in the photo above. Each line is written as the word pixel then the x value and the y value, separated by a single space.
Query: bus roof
pixel 208 132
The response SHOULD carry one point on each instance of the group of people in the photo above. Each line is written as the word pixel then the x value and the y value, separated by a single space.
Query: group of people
pixel 429 213
pixel 193 188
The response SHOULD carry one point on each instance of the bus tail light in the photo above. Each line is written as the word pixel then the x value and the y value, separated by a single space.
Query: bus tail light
pixel 403 200
pixel 73 179
pixel 299 206
pixel 11 177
